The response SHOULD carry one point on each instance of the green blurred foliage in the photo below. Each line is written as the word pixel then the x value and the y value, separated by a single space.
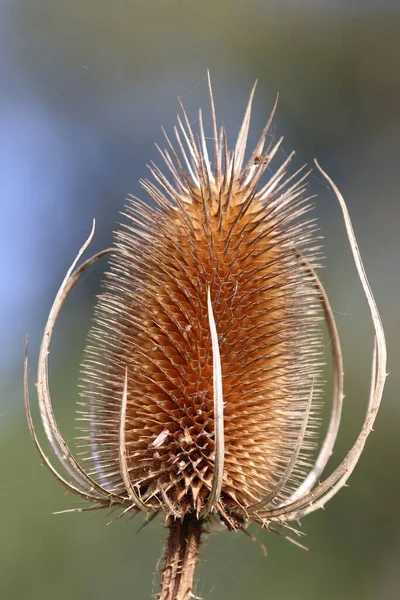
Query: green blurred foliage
pixel 338 74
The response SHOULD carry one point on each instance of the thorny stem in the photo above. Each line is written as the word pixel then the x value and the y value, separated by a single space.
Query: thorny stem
pixel 181 554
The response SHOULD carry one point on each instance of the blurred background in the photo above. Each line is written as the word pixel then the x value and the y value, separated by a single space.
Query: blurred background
pixel 84 88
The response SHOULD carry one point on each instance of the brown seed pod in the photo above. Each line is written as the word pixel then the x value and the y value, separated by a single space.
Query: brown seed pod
pixel 202 376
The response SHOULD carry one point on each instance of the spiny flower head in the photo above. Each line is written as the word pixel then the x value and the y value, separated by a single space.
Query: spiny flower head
pixel 212 310
pixel 202 375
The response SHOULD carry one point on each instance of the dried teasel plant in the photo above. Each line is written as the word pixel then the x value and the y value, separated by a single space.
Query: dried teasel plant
pixel 202 380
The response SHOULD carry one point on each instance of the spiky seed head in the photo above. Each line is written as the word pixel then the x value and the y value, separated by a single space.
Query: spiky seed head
pixel 202 376
pixel 212 231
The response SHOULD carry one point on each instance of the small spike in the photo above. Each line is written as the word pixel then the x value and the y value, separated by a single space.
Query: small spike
pixel 241 143
pixel 217 146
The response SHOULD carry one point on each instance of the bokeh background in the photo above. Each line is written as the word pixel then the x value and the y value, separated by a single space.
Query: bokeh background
pixel 84 88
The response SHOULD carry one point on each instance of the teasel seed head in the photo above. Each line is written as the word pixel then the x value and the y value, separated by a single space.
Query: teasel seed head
pixel 203 373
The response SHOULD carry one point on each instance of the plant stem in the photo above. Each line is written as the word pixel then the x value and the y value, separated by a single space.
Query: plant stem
pixel 181 554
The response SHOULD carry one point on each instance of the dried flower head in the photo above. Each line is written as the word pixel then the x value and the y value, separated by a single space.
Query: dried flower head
pixel 202 376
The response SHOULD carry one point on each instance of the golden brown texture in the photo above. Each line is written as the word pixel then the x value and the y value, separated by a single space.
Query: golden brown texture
pixel 248 247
